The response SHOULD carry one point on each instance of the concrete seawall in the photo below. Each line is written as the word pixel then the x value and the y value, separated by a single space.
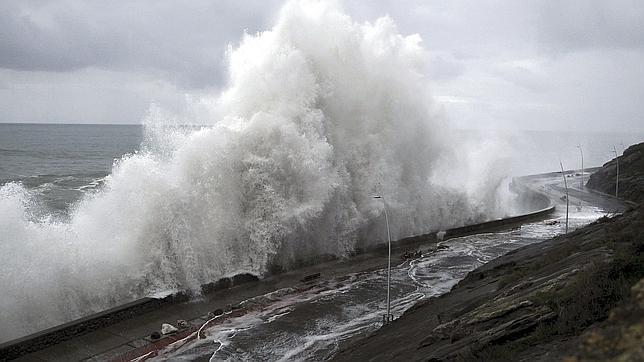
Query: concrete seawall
pixel 540 203
pixel 533 199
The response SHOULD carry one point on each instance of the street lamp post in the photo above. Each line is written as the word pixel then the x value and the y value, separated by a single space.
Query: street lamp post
pixel 581 185
pixel 388 315
pixel 567 198
pixel 617 176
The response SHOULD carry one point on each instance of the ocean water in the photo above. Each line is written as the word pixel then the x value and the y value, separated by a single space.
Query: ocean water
pixel 61 162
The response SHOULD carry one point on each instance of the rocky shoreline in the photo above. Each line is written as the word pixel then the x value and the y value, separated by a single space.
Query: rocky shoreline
pixel 575 297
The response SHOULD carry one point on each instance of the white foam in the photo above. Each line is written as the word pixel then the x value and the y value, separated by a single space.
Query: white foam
pixel 320 114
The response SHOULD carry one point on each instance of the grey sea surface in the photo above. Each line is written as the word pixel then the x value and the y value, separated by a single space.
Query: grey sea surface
pixel 59 163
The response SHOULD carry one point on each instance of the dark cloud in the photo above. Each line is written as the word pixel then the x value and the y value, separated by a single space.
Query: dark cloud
pixel 181 41
pixel 512 64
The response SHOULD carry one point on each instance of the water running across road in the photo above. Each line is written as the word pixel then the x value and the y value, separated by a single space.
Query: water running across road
pixel 315 323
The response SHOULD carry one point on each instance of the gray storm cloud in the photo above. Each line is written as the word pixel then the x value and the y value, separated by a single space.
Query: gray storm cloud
pixel 547 64
pixel 182 42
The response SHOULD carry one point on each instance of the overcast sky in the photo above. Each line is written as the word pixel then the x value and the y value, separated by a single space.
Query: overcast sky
pixel 544 65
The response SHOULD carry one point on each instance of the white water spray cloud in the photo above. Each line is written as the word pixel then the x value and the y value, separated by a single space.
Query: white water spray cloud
pixel 320 114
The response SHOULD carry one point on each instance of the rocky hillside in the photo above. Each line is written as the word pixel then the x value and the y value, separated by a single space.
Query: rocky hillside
pixel 631 175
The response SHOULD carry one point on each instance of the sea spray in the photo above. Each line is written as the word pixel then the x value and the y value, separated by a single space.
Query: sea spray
pixel 320 113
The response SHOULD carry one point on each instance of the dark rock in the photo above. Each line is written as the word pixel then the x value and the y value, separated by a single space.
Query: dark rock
pixel 619 338
pixel 311 277
pixel 631 175
pixel 155 335
pixel 244 278
pixel 221 284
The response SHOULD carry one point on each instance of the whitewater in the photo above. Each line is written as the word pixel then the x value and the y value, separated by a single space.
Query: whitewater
pixel 319 114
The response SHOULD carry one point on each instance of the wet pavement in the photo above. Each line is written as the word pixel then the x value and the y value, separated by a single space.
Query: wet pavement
pixel 313 325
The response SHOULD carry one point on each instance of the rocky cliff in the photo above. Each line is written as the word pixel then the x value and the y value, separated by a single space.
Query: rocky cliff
pixel 631 175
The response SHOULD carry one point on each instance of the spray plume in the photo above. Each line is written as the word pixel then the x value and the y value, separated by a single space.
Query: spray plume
pixel 319 114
